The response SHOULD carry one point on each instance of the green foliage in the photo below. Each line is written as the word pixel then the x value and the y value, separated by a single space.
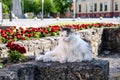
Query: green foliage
pixel 44 35
pixel 27 38
pixel 53 34
pixel 62 5
pixel 15 56
pixel 8 3
pixel 4 40
pixel 5 8
pixel 35 6
pixel 37 35
pixel 32 6
pixel 49 6
pixel 48 29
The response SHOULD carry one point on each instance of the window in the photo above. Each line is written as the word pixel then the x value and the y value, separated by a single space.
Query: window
pixel 95 7
pixel 91 8
pixel 105 6
pixel 79 8
pixel 116 6
pixel 101 6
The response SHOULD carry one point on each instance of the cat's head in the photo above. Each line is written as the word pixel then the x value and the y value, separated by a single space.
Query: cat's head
pixel 67 34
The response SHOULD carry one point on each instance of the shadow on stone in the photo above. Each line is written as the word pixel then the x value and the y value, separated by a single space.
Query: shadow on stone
pixel 110 41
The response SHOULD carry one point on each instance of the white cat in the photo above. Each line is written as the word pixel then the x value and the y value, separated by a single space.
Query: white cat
pixel 71 48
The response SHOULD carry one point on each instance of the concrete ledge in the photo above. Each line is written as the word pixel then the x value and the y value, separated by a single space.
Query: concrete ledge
pixel 94 70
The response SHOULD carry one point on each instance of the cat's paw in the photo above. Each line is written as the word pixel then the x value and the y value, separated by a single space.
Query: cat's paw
pixel 39 58
pixel 46 59
pixel 62 61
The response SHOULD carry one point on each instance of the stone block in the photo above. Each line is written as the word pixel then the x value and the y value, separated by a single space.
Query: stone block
pixel 94 70
pixel 111 40
pixel 18 72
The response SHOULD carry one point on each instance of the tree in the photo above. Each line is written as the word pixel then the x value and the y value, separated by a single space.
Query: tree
pixel 32 6
pixel 49 6
pixel 36 6
pixel 7 5
pixel 5 8
pixel 62 6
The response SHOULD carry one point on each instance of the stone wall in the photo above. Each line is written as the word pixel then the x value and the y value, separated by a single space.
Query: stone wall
pixel 102 40
pixel 94 70
pixel 110 41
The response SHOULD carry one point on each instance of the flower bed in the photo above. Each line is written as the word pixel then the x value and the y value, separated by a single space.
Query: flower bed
pixel 14 34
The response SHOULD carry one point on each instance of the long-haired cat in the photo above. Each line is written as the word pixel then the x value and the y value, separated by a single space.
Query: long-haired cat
pixel 71 48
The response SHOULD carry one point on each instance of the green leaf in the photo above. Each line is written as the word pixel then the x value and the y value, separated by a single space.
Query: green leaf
pixel 53 33
pixel 1 65
pixel 37 35
pixel 27 38
pixel 15 56
pixel 48 29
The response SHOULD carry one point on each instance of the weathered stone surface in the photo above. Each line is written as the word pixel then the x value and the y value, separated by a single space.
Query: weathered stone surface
pixel 94 70
pixel 18 72
pixel 8 75
pixel 110 40
pixel 92 36
pixel 74 71
pixel 3 50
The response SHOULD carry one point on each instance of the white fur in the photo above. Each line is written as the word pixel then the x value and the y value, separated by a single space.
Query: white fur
pixel 70 49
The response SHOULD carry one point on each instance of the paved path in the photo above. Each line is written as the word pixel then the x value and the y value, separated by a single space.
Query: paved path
pixel 45 22
pixel 114 65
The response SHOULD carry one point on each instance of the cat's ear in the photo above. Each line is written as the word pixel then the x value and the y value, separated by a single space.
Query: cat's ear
pixel 61 28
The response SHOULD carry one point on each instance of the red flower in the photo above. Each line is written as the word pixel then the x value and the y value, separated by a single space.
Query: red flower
pixel 16 47
pixel 12 48
pixel 21 28
pixel 3 31
pixel 18 36
pixel 10 31
pixel 22 50
pixel 13 27
pixel 28 35
pixel 22 31
pixel 54 28
pixel 3 35
pixel 8 44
